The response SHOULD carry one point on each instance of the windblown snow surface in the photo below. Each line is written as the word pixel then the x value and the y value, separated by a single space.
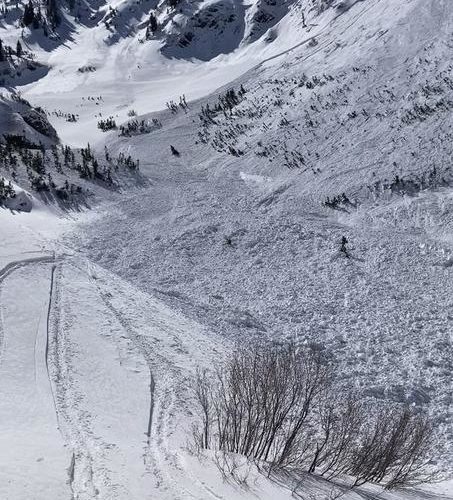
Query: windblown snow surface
pixel 105 315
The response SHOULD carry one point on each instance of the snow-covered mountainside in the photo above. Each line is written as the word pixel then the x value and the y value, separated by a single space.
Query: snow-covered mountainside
pixel 204 174
pixel 20 118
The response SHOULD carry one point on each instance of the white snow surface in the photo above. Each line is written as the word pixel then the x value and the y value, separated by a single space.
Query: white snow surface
pixel 105 315
pixel 96 384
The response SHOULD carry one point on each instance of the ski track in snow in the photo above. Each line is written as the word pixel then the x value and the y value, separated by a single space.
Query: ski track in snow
pixel 5 272
pixel 80 469
pixel 91 467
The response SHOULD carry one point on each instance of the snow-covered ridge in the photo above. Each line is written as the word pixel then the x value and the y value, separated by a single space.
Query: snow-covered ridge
pixel 32 160
pixel 20 118
pixel 199 29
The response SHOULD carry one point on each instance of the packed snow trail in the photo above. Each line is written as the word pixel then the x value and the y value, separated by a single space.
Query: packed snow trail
pixel 102 392
pixel 34 461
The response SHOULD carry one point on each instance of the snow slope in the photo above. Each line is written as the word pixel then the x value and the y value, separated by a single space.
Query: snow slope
pixel 19 118
pixel 96 386
pixel 131 75
pixel 36 458
pixel 319 121
pixel 230 240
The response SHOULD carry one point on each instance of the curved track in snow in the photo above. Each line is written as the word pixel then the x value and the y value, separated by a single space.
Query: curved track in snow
pixel 92 393
pixel 35 465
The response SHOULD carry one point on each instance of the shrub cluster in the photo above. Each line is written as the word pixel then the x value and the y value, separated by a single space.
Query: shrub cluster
pixel 281 407
pixel 107 124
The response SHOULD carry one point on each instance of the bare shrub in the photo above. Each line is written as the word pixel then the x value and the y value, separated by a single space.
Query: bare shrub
pixel 262 400
pixel 280 407
pixel 340 423
pixel 394 450
pixel 231 468
pixel 204 397
pixel 332 494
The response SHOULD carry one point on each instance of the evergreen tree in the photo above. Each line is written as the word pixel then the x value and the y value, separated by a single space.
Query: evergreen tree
pixel 343 248
pixel 29 14
pixel 52 13
pixel 152 23
pixel 2 52
pixel 19 50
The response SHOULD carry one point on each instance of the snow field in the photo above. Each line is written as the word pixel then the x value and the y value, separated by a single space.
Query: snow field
pixel 220 248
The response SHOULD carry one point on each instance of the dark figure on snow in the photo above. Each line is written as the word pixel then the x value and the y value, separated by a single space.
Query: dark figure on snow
pixel 174 151
pixel 343 249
